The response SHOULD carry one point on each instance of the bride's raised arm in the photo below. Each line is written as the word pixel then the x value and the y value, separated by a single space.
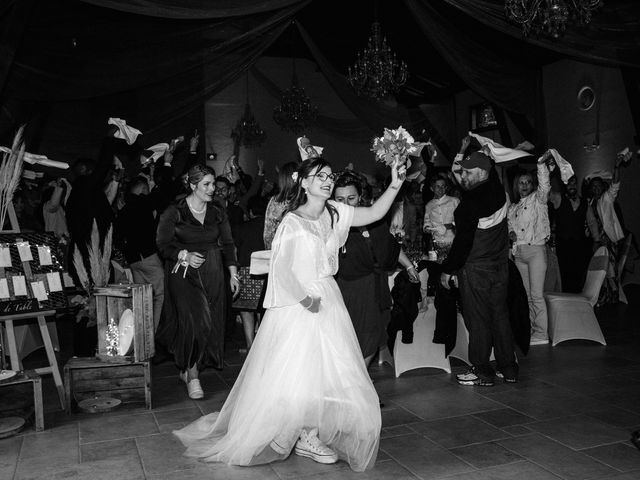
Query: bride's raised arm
pixel 367 215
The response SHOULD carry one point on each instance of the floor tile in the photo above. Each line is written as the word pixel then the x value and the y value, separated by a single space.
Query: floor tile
pixel 450 401
pixel 163 453
pixel 382 471
pixel 517 430
pixel 104 428
pixel 458 431
pixel 389 432
pixel 112 449
pixel 511 471
pixel 579 431
pixel 615 416
pixel 393 416
pixel 297 467
pixel 128 468
pixel 483 455
pixel 422 457
pixel 216 471
pixel 182 415
pixel 504 417
pixel 556 458
pixel 621 456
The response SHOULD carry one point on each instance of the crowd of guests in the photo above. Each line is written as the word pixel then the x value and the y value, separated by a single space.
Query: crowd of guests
pixel 334 238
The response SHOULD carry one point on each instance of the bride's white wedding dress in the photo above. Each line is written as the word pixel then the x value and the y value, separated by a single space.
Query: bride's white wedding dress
pixel 304 369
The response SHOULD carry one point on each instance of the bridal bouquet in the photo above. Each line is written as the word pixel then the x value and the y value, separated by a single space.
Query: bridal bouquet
pixel 396 145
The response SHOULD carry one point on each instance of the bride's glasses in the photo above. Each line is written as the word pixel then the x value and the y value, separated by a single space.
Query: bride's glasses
pixel 324 176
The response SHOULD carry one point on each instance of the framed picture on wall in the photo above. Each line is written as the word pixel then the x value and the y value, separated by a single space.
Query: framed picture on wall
pixel 482 117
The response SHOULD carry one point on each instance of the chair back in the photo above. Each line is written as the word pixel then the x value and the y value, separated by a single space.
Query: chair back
pixel 596 275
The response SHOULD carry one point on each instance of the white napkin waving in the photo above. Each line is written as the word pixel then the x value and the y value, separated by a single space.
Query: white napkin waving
pixel 307 150
pixel 125 132
pixel 34 158
pixel 159 149
pixel 566 170
pixel 499 153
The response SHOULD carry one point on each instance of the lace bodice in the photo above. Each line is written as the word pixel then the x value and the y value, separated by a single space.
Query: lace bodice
pixel 304 251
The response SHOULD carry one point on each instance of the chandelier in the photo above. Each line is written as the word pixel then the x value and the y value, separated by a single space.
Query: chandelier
pixel 377 71
pixel 552 16
pixel 247 131
pixel 295 112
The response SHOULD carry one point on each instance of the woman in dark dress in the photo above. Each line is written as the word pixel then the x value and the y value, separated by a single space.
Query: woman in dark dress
pixel 366 259
pixel 194 239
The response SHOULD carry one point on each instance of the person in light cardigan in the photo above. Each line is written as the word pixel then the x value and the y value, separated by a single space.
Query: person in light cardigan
pixel 605 228
pixel 529 230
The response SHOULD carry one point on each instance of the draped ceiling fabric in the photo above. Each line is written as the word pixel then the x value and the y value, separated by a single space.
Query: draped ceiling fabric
pixel 72 63
pixel 612 37
pixel 151 70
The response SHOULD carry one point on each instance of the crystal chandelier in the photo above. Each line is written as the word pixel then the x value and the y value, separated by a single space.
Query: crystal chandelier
pixel 295 112
pixel 377 71
pixel 552 16
pixel 247 131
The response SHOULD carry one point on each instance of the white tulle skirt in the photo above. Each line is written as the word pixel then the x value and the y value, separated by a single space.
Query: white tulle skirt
pixel 304 370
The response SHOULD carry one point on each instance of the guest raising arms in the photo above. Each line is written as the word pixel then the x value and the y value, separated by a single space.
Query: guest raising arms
pixel 194 239
pixel 304 382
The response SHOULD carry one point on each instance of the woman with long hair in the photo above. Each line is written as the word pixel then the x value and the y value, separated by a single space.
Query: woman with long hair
pixel 278 203
pixel 304 385
pixel 194 239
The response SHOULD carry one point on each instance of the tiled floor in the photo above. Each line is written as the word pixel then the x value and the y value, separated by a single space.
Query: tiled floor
pixel 569 417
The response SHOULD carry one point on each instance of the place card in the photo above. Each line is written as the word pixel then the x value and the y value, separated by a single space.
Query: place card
pixel 68 281
pixel 24 250
pixel 5 256
pixel 44 255
pixel 19 285
pixel 4 288
pixel 53 279
pixel 39 291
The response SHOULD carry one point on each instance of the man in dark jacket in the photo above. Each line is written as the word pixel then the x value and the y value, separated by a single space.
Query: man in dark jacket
pixel 136 235
pixel 477 262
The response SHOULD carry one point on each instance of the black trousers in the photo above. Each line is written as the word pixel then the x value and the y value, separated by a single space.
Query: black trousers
pixel 573 260
pixel 483 291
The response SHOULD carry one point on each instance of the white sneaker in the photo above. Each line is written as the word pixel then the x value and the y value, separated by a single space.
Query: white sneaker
pixel 539 341
pixel 310 446
pixel 195 389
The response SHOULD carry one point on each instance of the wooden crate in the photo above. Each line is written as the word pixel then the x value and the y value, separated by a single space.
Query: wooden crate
pixel 88 377
pixel 30 376
pixel 111 302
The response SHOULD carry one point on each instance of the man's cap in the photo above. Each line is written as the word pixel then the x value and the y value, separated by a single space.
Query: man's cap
pixel 476 160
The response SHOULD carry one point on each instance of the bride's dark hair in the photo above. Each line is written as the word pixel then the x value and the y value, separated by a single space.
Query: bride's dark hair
pixel 305 169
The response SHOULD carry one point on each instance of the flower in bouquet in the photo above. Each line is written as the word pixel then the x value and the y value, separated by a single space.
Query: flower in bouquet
pixel 396 145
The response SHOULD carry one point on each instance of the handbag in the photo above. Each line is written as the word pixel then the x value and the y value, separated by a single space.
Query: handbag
pixel 260 261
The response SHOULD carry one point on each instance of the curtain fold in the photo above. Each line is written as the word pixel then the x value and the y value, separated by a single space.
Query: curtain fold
pixel 353 130
pixel 192 9
pixel 375 115
pixel 612 38
pixel 152 71
pixel 501 80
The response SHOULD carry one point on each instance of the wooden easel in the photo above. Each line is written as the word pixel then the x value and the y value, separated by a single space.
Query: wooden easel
pixel 8 320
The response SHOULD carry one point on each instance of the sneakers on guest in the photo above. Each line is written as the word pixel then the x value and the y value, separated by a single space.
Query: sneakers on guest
pixel 195 389
pixel 539 341
pixel 499 374
pixel 310 446
pixel 470 378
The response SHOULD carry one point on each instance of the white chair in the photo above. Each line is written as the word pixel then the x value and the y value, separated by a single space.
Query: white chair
pixel 571 315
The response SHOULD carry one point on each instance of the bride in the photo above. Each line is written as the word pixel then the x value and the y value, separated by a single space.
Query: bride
pixel 304 385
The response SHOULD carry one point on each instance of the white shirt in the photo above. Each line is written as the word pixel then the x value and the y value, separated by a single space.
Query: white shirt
pixel 437 213
pixel 529 218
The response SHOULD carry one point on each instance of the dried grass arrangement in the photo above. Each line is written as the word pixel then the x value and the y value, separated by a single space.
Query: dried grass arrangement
pixel 10 173
pixel 97 276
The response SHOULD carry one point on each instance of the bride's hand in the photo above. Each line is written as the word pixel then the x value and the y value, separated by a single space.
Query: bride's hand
pixel 398 174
